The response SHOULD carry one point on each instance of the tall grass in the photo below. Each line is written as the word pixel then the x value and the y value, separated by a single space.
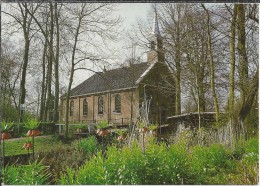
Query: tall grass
pixel 162 164
pixel 33 174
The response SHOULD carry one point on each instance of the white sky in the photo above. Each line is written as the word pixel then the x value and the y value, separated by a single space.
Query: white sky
pixel 129 12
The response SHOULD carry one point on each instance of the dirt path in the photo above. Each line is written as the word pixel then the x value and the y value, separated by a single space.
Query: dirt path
pixel 44 136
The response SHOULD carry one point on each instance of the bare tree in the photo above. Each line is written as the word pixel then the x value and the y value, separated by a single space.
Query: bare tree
pixel 100 24
pixel 212 76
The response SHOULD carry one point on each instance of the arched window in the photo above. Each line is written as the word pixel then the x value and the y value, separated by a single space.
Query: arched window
pixel 71 107
pixel 85 107
pixel 100 105
pixel 118 103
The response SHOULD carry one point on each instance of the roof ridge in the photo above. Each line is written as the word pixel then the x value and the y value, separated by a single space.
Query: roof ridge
pixel 114 79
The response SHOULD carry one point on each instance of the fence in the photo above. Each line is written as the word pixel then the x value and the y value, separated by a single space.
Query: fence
pixel 89 125
pixel 120 121
pixel 48 128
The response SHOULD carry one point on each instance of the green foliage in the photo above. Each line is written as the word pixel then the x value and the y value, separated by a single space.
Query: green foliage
pixel 153 127
pixel 155 164
pixel 9 112
pixel 174 164
pixel 32 174
pixel 178 164
pixel 239 150
pixel 102 124
pixel 112 168
pixel 252 151
pixel 6 126
pixel 88 145
pixel 31 123
pixel 91 173
pixel 207 162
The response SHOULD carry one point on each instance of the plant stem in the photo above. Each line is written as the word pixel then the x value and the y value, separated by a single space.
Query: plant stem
pixel 143 144
pixel 33 146
pixel 28 155
pixel 3 152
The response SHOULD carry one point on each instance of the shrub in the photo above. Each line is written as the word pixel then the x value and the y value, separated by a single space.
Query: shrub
pixel 88 145
pixel 91 173
pixel 177 162
pixel 160 164
pixel 156 165
pixel 113 166
pixel 32 174
pixel 206 162
pixel 133 170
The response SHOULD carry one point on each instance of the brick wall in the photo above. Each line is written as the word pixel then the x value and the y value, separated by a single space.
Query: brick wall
pixel 108 107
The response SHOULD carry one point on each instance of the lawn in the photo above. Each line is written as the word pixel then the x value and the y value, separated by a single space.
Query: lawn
pixel 15 147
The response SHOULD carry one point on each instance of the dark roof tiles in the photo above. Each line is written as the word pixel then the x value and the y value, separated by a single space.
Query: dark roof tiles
pixel 119 78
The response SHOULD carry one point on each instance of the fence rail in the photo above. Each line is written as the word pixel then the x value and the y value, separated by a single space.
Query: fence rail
pixel 90 124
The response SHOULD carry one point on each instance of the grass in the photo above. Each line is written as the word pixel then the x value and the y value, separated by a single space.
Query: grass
pixel 15 147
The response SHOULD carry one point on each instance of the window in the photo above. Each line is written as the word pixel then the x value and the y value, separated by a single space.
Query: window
pixel 117 103
pixel 71 107
pixel 100 105
pixel 85 107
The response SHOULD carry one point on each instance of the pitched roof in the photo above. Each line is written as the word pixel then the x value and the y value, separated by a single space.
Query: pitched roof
pixel 120 78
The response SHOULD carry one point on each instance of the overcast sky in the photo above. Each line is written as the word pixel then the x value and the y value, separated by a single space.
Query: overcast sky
pixel 129 12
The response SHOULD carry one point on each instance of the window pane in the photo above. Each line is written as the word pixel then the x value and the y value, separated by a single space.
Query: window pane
pixel 100 105
pixel 85 107
pixel 118 103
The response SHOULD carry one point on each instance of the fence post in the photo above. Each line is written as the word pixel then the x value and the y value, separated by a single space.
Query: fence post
pixel 122 121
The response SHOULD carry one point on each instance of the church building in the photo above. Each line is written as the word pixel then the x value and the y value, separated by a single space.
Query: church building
pixel 141 91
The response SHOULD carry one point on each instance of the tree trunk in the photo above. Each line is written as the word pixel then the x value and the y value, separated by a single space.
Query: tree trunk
pixel 212 77
pixel 198 101
pixel 232 64
pixel 178 73
pixel 43 92
pixel 56 67
pixel 241 46
pixel 25 60
pixel 50 62
pixel 71 78
pixel 249 100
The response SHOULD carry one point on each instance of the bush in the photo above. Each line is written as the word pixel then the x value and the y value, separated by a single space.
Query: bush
pixel 133 169
pixel 206 162
pixel 88 145
pixel 160 164
pixel 156 164
pixel 91 173
pixel 178 164
pixel 32 174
